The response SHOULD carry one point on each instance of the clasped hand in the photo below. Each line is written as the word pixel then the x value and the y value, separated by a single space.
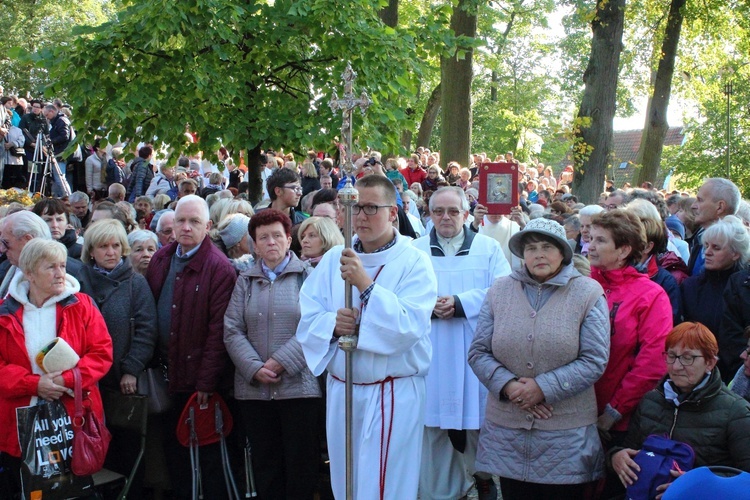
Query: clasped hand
pixel 51 386
pixel 270 372
pixel 526 394
pixel 445 307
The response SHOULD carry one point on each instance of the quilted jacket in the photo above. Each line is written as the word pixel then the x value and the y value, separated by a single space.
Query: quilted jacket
pixel 260 323
pixel 713 420
pixel 196 353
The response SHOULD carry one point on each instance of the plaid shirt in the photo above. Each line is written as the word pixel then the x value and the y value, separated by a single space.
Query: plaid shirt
pixel 357 247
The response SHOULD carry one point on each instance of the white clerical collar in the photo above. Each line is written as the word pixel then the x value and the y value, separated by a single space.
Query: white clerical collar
pixel 451 246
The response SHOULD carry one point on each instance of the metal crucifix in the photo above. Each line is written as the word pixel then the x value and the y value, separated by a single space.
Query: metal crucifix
pixel 346 105
pixel 348 197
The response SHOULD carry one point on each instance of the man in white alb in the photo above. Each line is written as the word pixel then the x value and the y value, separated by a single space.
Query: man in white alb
pixel 394 294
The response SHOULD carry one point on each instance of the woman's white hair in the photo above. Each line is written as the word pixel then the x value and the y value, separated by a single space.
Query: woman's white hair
pixel 644 209
pixel 591 210
pixel 140 235
pixel 38 250
pixel 730 231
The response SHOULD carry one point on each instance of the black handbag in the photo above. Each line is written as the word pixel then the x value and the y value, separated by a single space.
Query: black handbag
pixel 152 382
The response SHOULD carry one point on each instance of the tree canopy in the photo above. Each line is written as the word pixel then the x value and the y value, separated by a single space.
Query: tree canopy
pixel 253 74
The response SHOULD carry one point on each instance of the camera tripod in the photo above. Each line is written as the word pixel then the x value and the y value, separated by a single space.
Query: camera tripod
pixel 45 155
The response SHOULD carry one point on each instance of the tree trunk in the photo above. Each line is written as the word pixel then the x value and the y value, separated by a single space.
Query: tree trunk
pixel 456 76
pixel 656 126
pixel 389 14
pixel 431 112
pixel 254 168
pixel 406 137
pixel 593 134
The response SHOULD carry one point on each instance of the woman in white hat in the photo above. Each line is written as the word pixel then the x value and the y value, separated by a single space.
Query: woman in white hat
pixel 542 341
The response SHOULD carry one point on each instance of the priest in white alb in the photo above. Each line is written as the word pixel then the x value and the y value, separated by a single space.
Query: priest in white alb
pixel 466 264
pixel 394 294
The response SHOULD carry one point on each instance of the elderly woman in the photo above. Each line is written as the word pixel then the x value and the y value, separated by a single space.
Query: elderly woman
pixel 129 312
pixel 317 236
pixel 232 237
pixel 542 341
pixel 57 216
pixel 585 215
pixel 690 405
pixel 44 303
pixel 726 246
pixel 278 395
pixel 143 245
pixel 640 317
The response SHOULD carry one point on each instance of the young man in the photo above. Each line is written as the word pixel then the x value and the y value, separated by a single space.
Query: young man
pixel 285 190
pixel 395 292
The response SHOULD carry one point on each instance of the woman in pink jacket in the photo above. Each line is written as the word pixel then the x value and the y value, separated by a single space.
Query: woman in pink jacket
pixel 640 318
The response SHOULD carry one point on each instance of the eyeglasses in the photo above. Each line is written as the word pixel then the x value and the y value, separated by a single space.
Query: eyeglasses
pixel 439 212
pixel 685 359
pixel 4 243
pixel 166 232
pixel 296 189
pixel 368 209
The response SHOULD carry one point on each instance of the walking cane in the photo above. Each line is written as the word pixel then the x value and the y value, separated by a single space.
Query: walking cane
pixel 195 461
pixel 231 485
pixel 250 491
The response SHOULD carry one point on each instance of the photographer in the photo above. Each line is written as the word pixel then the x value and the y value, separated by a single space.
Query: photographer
pixel 31 124
pixel 60 135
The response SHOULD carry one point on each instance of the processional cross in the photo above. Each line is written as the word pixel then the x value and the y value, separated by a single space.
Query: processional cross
pixel 346 105
pixel 348 197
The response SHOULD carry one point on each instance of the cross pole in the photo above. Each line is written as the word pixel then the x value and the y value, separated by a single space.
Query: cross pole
pixel 348 197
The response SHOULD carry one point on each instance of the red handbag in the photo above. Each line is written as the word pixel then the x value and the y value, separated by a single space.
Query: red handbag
pixel 91 438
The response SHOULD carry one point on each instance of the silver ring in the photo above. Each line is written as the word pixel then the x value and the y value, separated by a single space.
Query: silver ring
pixel 519 400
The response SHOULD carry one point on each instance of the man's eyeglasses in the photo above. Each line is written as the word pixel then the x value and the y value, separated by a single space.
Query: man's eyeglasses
pixel 439 212
pixel 368 209
pixel 685 359
pixel 4 243
pixel 166 232
pixel 296 189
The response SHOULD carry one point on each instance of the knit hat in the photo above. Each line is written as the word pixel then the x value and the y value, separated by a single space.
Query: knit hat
pixel 235 230
pixel 676 225
pixel 546 227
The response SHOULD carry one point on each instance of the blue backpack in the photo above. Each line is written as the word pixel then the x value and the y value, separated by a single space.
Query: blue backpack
pixel 658 456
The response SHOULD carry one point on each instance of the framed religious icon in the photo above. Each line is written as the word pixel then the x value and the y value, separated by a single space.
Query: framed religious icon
pixel 498 187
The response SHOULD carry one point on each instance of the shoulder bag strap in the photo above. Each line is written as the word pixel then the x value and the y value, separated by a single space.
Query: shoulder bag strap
pixel 78 418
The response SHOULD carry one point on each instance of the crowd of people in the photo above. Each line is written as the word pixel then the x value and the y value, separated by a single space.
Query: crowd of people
pixel 540 347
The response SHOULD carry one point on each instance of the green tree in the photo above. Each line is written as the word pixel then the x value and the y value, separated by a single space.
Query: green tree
pixel 36 25
pixel 250 75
